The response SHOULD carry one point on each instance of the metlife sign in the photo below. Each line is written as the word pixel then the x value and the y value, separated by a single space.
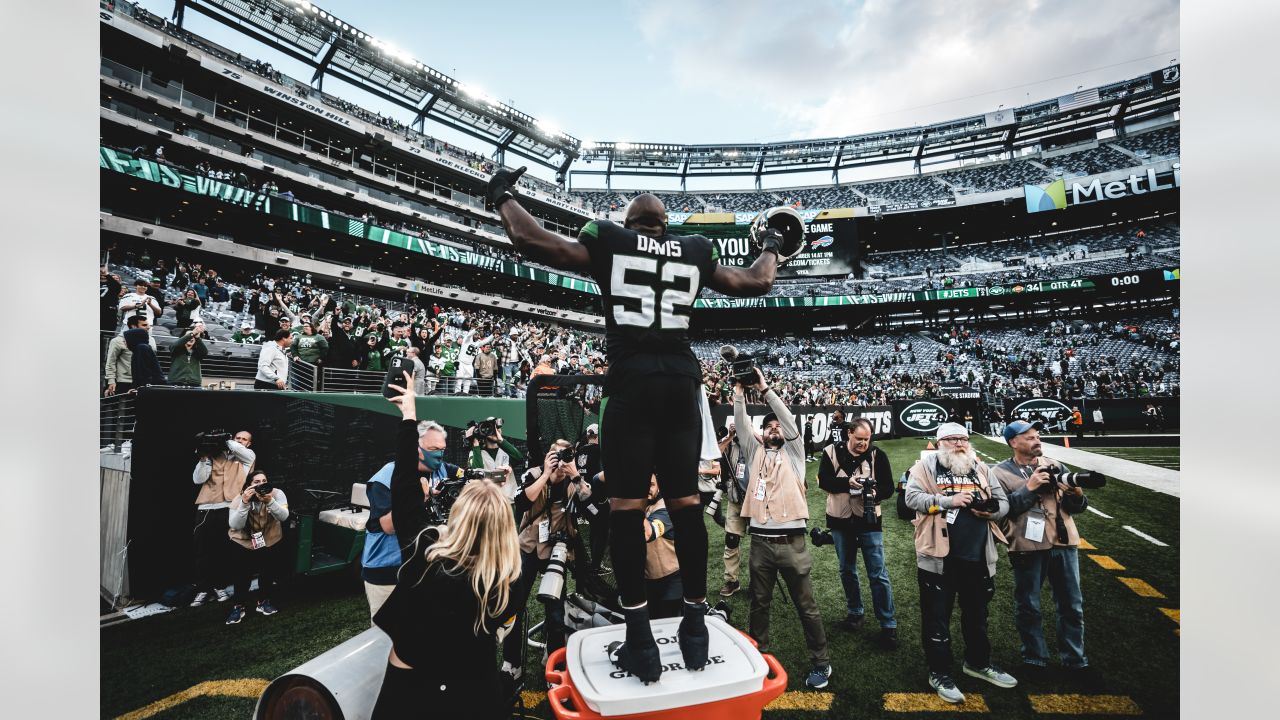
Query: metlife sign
pixel 1042 198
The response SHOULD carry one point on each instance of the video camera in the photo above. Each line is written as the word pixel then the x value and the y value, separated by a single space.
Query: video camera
pixel 497 476
pixel 1089 480
pixel 212 442
pixel 741 365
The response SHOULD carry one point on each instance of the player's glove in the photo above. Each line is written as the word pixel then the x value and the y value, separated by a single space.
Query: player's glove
pixel 502 186
pixel 772 240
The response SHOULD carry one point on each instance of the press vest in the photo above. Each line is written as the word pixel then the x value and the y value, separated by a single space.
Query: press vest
pixel 848 504
pixel 226 481
pixel 660 553
pixel 1016 529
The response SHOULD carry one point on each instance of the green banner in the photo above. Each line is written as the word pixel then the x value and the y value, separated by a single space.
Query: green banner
pixel 169 176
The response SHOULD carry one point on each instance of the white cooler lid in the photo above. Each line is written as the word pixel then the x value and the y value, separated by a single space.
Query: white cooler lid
pixel 737 668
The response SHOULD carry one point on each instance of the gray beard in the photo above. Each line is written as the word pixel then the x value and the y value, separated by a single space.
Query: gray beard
pixel 959 463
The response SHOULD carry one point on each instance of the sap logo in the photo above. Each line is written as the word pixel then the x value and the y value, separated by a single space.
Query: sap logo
pixel 824 241
pixel 1050 197
pixel 670 248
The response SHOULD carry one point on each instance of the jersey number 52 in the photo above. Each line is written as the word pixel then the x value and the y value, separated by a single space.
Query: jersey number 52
pixel 671 296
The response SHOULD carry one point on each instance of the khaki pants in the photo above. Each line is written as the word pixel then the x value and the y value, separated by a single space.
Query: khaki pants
pixel 791 559
pixel 736 524
pixel 377 595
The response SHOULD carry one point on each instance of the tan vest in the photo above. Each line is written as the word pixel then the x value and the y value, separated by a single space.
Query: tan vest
pixel 560 522
pixel 846 504
pixel 930 536
pixel 784 493
pixel 259 520
pixel 660 552
pixel 226 481
pixel 1016 529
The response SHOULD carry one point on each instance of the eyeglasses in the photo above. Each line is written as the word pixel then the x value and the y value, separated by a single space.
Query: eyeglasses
pixel 955 440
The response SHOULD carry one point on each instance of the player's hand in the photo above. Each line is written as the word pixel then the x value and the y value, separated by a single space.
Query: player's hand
pixel 502 186
pixel 772 240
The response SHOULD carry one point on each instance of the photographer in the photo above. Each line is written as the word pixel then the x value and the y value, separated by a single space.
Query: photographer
pixel 956 557
pixel 221 471
pixel 1042 543
pixel 255 526
pixel 851 473
pixel 455 587
pixel 543 507
pixel 380 559
pixel 776 505
pixel 663 588
pixel 490 451
pixel 734 475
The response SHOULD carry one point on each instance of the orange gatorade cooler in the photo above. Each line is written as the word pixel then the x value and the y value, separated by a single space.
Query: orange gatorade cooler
pixel 735 685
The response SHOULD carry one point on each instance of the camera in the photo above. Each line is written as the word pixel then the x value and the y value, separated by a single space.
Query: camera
pixel 497 476
pixel 1089 479
pixel 264 489
pixel 486 428
pixel 869 502
pixel 565 455
pixel 986 505
pixel 552 585
pixel 741 365
pixel 212 442
pixel 821 536
pixel 713 505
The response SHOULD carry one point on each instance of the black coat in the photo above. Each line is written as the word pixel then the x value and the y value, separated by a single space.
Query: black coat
pixel 145 367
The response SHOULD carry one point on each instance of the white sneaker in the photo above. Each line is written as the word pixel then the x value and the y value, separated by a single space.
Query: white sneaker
pixel 946 688
pixel 223 595
pixel 200 599
pixel 991 674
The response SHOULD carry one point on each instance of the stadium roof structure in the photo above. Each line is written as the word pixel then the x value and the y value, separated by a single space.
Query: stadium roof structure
pixel 1084 112
pixel 333 47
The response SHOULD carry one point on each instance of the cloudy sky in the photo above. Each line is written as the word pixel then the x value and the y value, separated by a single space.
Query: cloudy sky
pixel 755 70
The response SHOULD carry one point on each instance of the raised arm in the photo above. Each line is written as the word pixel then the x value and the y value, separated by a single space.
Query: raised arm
pixel 530 238
pixel 753 281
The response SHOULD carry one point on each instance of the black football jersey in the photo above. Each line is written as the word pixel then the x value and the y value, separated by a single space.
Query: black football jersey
pixel 648 286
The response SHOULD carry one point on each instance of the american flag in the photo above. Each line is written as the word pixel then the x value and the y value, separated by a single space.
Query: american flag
pixel 1078 99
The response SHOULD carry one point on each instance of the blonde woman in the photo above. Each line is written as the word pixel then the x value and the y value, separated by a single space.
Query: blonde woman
pixel 453 597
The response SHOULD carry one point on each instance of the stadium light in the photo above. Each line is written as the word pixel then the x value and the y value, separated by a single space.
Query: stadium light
pixel 623 146
pixel 548 128
pixel 588 144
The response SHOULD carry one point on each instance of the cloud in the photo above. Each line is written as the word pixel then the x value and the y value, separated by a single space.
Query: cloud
pixel 839 67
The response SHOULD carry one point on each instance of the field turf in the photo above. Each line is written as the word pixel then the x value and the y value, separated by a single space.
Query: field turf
pixel 1131 639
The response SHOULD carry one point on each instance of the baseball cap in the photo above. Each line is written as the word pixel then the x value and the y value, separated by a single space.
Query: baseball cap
pixel 593 429
pixel 1017 427
pixel 768 418
pixel 949 429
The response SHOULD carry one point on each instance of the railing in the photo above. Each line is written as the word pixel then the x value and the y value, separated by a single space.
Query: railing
pixel 116 416
pixel 339 380
pixel 302 376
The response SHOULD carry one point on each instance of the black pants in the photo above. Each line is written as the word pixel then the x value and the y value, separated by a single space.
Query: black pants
pixel 245 563
pixel 553 623
pixel 413 694
pixel 211 549
pixel 938 593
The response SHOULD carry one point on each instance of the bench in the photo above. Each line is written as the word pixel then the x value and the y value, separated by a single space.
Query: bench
pixel 354 515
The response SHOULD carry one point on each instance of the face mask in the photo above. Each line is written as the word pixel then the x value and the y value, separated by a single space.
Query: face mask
pixel 431 459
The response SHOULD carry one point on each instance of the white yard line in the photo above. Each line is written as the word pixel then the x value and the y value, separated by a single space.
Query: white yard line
pixel 1144 536
pixel 1096 511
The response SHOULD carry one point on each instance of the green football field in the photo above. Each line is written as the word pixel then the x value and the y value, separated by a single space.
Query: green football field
pixel 187 664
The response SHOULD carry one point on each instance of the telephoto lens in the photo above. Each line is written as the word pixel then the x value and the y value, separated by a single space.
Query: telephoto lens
pixel 552 585
pixel 869 503
pixel 821 536
pixel 1088 480
pixel 713 505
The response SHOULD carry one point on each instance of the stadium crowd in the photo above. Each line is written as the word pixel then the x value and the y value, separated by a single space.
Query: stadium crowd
pixel 478 352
